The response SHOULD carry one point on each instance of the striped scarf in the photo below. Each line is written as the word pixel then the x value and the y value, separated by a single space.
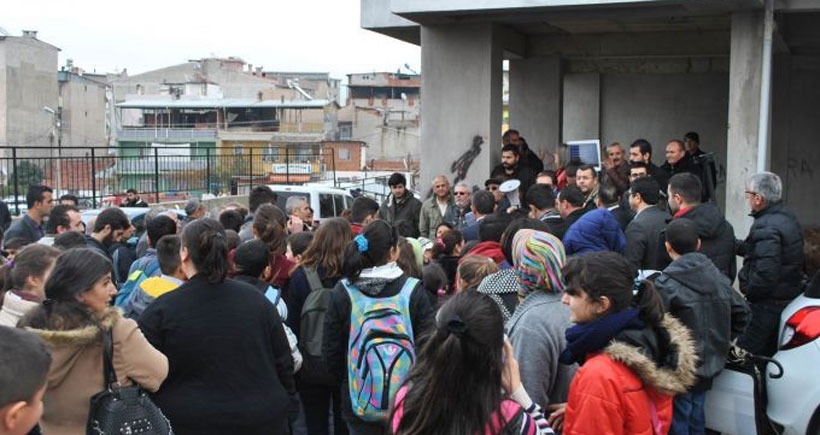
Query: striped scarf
pixel 538 258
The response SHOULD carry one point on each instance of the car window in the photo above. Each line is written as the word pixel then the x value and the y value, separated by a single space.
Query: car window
pixel 325 205
pixel 348 202
pixel 339 201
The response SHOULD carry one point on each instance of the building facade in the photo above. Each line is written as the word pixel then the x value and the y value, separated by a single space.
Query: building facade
pixel 382 110
pixel 28 93
pixel 83 112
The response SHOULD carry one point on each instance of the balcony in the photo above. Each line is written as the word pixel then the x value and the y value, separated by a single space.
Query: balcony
pixel 166 134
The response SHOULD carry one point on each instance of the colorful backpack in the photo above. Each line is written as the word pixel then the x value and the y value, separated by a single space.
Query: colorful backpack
pixel 381 349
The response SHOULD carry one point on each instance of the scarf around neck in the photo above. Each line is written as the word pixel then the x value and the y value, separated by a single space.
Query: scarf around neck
pixel 586 338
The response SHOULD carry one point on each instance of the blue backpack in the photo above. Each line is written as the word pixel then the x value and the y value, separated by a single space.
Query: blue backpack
pixel 381 349
pixel 135 277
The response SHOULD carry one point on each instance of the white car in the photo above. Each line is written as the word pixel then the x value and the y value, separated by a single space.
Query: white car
pixel 791 394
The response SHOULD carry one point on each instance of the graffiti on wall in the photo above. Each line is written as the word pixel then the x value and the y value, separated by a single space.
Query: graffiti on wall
pixel 799 168
pixel 462 165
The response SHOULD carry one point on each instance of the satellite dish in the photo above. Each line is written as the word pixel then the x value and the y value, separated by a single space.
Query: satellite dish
pixel 510 189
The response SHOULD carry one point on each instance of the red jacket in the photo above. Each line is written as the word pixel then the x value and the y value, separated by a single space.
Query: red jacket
pixel 613 392
pixel 491 250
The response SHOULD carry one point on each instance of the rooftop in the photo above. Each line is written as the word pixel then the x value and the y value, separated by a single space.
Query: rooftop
pixel 215 103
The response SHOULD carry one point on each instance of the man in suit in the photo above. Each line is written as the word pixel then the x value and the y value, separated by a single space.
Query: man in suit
pixel 483 205
pixel 643 233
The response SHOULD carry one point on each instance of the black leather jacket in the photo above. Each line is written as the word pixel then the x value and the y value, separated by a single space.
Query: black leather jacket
pixel 772 256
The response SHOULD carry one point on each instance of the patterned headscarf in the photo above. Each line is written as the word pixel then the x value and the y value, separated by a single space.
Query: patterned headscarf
pixel 538 258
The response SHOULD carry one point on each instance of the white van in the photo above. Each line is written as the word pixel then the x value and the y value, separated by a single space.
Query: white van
pixel 326 202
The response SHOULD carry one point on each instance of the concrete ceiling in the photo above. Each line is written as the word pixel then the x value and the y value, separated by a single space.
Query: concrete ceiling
pixel 801 33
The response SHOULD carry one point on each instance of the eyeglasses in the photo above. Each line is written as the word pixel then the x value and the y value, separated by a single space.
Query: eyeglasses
pixel 749 192
pixel 461 193
pixel 492 188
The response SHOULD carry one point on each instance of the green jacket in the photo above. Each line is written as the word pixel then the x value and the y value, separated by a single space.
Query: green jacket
pixel 430 216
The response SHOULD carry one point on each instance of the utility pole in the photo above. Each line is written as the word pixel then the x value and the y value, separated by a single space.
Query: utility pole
pixel 57 131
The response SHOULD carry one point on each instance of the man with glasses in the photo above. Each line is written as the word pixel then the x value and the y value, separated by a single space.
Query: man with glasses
pixel 463 199
pixel 491 185
pixel 439 208
pixel 772 270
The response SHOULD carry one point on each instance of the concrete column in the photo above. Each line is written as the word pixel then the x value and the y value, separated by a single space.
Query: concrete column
pixel 744 107
pixel 461 90
pixel 582 107
pixel 535 101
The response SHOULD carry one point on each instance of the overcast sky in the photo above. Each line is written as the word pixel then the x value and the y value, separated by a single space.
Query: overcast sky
pixel 279 35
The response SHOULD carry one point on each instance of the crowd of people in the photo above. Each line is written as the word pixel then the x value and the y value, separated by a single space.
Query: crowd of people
pixel 604 303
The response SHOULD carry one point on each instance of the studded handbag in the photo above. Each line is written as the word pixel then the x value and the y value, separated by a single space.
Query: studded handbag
pixel 123 410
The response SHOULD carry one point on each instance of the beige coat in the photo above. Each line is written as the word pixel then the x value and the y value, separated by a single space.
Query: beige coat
pixel 76 371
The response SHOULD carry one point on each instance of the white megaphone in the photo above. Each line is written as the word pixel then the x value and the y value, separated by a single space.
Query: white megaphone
pixel 510 189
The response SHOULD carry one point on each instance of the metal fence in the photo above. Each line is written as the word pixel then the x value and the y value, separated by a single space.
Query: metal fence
pixel 99 176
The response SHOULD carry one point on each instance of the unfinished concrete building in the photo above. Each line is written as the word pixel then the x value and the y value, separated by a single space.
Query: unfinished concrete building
pixel 745 74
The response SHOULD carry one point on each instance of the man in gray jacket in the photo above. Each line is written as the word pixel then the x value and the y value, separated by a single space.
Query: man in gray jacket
pixel 696 292
pixel 437 209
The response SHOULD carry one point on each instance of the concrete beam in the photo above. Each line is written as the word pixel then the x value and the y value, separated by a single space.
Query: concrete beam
pixel 744 116
pixel 461 85
pixel 796 5
pixel 535 101
pixel 417 8
pixel 614 45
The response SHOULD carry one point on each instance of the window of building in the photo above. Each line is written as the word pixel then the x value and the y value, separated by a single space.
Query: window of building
pixel 344 153
pixel 270 154
pixel 238 150
pixel 345 130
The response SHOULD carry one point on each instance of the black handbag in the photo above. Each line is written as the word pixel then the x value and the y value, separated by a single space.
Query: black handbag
pixel 123 410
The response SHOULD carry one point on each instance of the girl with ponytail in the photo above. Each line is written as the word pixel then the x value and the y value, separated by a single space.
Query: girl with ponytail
pixel 630 352
pixel 269 226
pixel 374 299
pixel 226 343
pixel 466 379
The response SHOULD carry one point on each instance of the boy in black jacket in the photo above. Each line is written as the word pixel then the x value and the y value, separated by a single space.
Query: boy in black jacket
pixel 695 292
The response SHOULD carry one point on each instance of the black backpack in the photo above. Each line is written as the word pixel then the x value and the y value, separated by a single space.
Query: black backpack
pixel 312 331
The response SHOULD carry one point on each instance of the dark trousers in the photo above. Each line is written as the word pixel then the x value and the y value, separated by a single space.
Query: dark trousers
pixel 689 416
pixel 317 402
pixel 760 337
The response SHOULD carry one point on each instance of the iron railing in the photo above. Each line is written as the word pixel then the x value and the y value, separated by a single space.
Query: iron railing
pixel 98 175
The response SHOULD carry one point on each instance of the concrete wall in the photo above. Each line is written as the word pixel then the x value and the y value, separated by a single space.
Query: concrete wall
pixel 795 150
pixel 461 86
pixel 660 107
pixel 535 101
pixel 582 106
pixel 84 116
pixel 29 74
